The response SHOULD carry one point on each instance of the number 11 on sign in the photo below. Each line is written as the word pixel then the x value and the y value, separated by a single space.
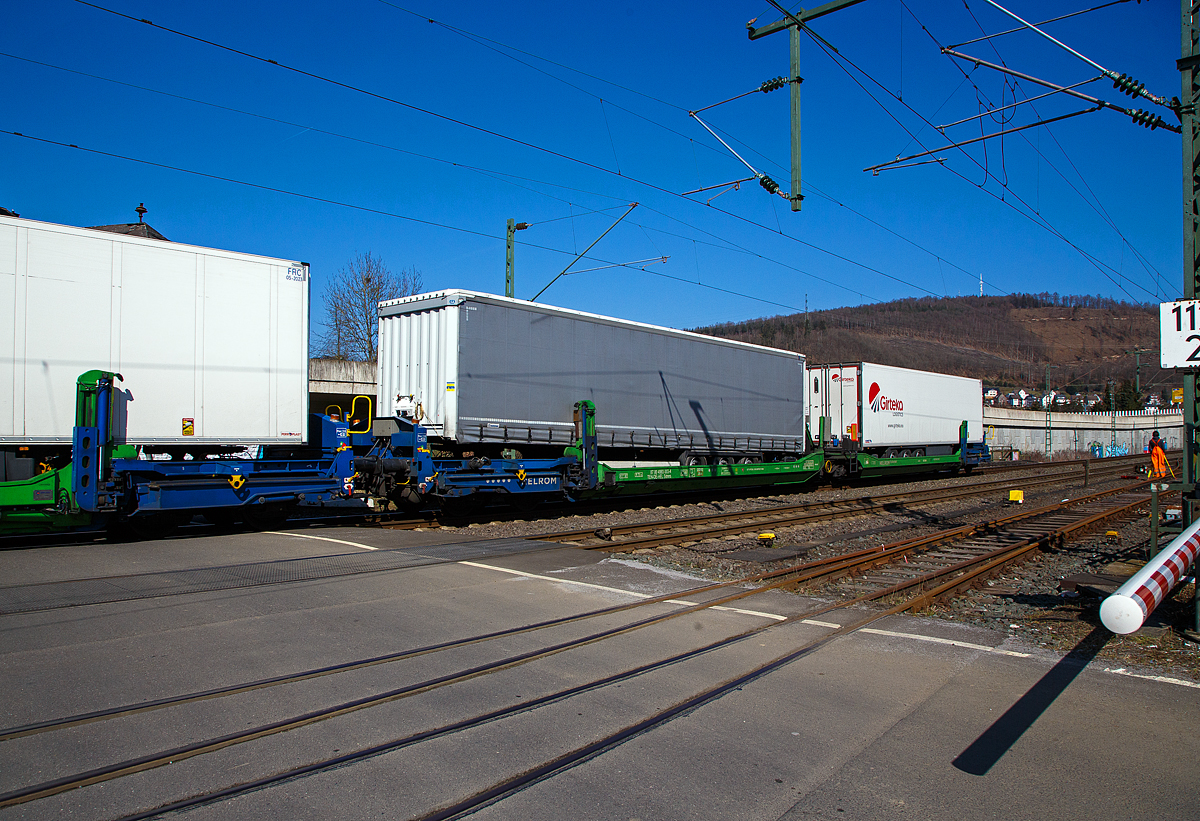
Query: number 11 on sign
pixel 1179 340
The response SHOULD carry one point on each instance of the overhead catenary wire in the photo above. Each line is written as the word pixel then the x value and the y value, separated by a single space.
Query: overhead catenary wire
pixel 1140 117
pixel 1126 84
pixel 1094 203
pixel 584 162
pixel 507 177
pixel 1028 212
pixel 1027 100
pixel 381 212
pixel 831 198
pixel 499 48
pixel 877 168
pixel 481 129
pixel 766 182
pixel 767 86
pixel 1042 23
pixel 583 253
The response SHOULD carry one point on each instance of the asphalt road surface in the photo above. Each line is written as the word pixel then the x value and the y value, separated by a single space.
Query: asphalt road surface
pixel 910 718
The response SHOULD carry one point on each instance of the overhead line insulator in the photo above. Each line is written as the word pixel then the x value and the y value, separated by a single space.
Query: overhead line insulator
pixel 1146 119
pixel 769 184
pixel 772 85
pixel 1129 85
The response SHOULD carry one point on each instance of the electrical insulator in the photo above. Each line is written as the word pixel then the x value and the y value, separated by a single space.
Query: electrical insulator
pixel 772 85
pixel 1129 85
pixel 1146 119
pixel 769 184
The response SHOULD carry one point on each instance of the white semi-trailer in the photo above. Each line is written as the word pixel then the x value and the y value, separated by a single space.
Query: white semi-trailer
pixel 213 345
pixel 893 412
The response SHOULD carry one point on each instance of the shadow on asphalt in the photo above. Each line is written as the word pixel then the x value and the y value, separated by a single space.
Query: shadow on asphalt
pixel 998 739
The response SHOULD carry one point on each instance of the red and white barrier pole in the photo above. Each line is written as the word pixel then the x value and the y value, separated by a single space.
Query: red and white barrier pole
pixel 1126 610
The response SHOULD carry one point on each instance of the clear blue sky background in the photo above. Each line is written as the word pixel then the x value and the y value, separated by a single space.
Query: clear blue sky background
pixel 588 108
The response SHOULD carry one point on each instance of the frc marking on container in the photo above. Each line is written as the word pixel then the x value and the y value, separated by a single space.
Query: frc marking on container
pixel 295 275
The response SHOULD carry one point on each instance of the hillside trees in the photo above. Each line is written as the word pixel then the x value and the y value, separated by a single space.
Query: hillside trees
pixel 1007 340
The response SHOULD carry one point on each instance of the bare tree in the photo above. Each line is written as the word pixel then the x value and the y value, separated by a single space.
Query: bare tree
pixel 350 329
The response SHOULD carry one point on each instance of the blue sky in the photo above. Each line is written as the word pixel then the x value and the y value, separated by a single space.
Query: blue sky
pixel 567 113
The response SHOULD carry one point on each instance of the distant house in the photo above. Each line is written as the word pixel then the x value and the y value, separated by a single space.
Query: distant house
pixel 132 229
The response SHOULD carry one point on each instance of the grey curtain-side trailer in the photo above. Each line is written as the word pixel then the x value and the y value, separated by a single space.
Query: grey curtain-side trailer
pixel 490 373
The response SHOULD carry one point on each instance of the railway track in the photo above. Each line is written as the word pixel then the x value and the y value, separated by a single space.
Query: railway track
pixel 690 531
pixel 687 531
pixel 895 578
pixel 435 520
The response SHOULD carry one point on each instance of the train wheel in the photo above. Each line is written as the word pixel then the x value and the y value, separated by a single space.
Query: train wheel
pixel 265 517
pixel 224 517
pixel 157 525
pixel 524 502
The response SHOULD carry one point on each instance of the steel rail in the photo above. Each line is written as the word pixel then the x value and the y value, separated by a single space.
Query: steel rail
pixel 988 562
pixel 866 559
pixel 199 748
pixel 581 754
pixel 803 513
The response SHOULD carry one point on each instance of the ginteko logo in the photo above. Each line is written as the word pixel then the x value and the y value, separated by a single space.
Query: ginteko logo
pixel 879 402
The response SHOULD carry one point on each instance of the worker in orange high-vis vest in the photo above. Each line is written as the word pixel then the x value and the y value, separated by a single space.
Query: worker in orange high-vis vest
pixel 1158 458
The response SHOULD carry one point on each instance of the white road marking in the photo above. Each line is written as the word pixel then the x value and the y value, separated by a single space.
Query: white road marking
pixel 319 538
pixel 816 623
pixel 935 640
pixel 932 639
pixel 751 612
pixel 619 590
pixel 1121 671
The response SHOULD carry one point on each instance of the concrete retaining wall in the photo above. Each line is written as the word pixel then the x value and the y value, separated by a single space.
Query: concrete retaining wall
pixel 339 376
pixel 1025 430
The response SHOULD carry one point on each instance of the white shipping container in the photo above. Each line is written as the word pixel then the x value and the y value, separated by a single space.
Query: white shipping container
pixel 213 345
pixel 894 407
pixel 486 368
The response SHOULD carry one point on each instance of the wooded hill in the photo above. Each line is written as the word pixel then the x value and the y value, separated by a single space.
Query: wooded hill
pixel 1006 341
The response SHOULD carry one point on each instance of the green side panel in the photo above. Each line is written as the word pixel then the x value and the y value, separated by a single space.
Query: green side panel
pixel 872 466
pixel 44 490
pixel 32 505
pixel 673 479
